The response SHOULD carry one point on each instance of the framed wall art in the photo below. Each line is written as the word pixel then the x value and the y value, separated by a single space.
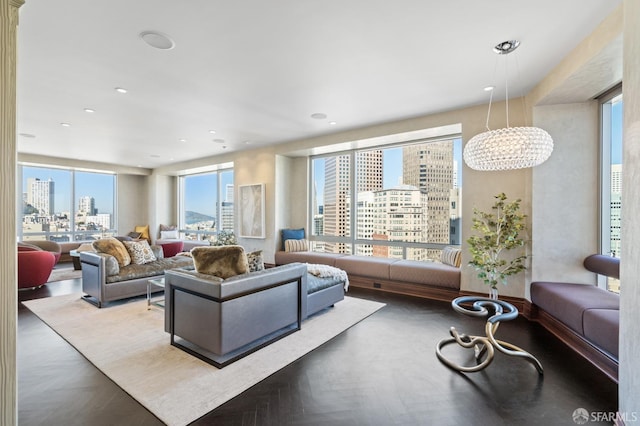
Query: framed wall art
pixel 252 214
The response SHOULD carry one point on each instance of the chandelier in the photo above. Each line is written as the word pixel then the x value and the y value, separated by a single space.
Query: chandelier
pixel 509 148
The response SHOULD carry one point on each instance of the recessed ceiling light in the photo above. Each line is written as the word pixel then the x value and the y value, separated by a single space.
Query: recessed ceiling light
pixel 89 110
pixel 65 124
pixel 333 123
pixel 224 147
pixel 488 88
pixel 213 132
pixel 319 115
pixel 247 142
pixel 182 140
pixel 121 90
pixel 27 135
pixel 157 39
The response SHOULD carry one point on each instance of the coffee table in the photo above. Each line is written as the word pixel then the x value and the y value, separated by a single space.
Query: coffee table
pixel 158 282
pixel 483 346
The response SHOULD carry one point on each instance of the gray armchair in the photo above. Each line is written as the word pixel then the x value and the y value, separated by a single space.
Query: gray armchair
pixel 221 321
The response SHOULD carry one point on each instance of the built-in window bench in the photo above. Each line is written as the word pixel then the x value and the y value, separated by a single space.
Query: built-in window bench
pixel 431 280
pixel 585 317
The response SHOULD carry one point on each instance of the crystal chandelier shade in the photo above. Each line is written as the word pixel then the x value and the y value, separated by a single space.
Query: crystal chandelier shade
pixel 509 148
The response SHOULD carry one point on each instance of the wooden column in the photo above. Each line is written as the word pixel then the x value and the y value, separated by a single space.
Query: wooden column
pixel 8 256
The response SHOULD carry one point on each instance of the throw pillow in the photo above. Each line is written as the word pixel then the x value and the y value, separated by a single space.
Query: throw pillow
pixel 115 248
pixel 169 235
pixel 140 252
pixel 168 227
pixel 144 232
pixel 134 235
pixel 172 248
pixel 291 234
pixel 451 256
pixel 221 261
pixel 255 260
pixel 296 245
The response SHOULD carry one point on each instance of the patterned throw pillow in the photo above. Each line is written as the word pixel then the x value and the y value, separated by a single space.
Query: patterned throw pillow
pixel 256 262
pixel 451 256
pixel 140 252
pixel 115 248
pixel 296 245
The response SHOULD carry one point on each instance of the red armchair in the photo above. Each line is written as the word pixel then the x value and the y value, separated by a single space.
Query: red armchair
pixel 34 267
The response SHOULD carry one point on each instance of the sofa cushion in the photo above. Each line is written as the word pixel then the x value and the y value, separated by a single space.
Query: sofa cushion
pixel 115 248
pixel 567 302
pixel 151 269
pixel 427 273
pixel 221 261
pixel 291 234
pixel 366 266
pixel 171 249
pixel 144 232
pixel 451 256
pixel 296 245
pixel 255 261
pixel 285 257
pixel 140 252
pixel 601 327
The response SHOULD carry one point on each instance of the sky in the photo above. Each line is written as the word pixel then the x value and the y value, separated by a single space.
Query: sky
pixel 616 132
pixel 200 191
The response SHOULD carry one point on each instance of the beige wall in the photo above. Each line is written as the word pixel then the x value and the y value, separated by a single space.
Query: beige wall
pixel 629 389
pixel 565 194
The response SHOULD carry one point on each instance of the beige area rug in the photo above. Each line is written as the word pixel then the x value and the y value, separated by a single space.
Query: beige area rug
pixel 128 343
pixel 61 274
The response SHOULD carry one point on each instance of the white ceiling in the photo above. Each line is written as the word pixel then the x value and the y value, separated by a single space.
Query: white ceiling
pixel 254 71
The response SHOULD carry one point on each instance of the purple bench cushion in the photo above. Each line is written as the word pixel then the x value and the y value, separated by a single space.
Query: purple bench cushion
pixel 567 302
pixel 365 266
pixel 601 327
pixel 603 265
pixel 428 273
pixel 286 257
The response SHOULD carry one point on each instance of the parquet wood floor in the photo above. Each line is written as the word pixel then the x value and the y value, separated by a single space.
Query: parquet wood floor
pixel 382 371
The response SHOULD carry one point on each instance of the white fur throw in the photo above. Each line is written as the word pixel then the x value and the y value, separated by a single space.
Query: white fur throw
pixel 326 271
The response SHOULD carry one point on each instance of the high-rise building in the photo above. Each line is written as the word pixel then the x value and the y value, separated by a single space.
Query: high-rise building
pixel 615 208
pixel 337 191
pixel 430 168
pixel 87 204
pixel 400 214
pixel 41 195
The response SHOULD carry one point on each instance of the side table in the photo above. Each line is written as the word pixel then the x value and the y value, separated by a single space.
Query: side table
pixel 75 258
pixel 158 282
pixel 484 346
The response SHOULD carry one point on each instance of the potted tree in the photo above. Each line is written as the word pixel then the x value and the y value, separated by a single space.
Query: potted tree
pixel 499 232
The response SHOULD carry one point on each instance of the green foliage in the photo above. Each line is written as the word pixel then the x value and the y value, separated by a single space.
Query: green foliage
pixel 499 231
pixel 225 238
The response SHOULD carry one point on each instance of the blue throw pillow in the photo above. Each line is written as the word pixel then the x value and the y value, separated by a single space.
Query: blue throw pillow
pixel 291 234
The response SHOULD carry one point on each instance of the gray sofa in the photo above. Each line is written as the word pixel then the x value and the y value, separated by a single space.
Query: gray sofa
pixel 585 317
pixel 432 280
pixel 103 280
pixel 220 320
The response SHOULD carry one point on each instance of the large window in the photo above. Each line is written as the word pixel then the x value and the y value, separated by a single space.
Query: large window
pixel 66 205
pixel 611 179
pixel 206 204
pixel 406 198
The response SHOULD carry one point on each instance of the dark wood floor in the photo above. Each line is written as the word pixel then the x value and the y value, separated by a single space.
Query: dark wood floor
pixel 382 371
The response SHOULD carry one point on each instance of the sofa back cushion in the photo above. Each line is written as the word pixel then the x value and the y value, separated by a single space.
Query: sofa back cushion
pixel 221 261
pixel 140 252
pixel 115 248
